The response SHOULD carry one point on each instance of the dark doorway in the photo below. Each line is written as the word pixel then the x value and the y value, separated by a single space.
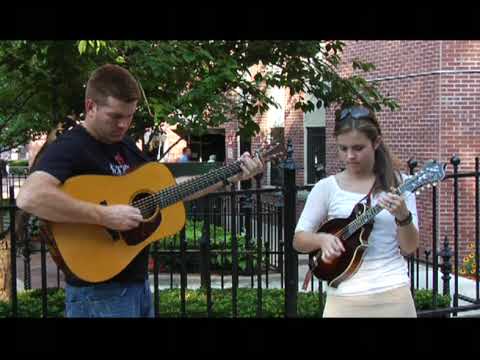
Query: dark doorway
pixel 315 154
pixel 212 143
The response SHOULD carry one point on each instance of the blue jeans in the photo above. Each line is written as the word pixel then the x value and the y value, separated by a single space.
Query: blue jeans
pixel 109 300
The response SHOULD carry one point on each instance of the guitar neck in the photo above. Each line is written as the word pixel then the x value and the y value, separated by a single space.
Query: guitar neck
pixel 174 194
pixel 369 215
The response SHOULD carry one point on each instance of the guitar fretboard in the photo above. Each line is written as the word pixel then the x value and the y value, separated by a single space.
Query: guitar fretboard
pixel 176 193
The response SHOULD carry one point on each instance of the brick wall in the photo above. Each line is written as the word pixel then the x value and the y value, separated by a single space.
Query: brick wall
pixel 460 130
pixel 437 117
pixel 437 88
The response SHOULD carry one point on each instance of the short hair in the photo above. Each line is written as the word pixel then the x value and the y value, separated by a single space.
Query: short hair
pixel 112 80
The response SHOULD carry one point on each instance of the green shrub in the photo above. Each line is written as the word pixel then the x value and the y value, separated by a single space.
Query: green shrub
pixel 424 300
pixel 18 170
pixel 18 167
pixel 220 240
pixel 309 304
pixel 18 163
pixel 29 304
pixel 273 303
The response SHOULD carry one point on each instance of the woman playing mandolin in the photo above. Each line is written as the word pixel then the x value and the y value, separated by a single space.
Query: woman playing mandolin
pixel 379 286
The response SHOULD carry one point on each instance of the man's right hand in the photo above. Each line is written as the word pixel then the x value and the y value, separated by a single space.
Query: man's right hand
pixel 120 217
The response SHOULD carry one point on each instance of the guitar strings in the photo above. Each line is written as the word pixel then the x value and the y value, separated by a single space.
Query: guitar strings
pixel 149 203
pixel 175 190
pixel 347 228
pixel 166 196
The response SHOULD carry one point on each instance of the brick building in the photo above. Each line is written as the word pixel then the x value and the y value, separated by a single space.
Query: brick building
pixel 437 85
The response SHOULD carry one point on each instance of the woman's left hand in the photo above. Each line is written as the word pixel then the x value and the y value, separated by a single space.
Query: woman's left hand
pixel 395 204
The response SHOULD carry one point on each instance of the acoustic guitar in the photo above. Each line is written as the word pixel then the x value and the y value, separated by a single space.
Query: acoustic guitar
pixel 94 253
pixel 354 231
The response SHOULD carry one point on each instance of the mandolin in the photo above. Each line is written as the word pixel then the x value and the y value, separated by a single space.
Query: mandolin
pixel 354 231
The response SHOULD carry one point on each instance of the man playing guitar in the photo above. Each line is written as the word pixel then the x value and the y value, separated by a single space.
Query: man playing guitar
pixel 100 147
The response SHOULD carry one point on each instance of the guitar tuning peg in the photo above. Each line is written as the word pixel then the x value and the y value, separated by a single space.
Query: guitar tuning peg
pixel 434 184
pixel 417 193
pixel 429 186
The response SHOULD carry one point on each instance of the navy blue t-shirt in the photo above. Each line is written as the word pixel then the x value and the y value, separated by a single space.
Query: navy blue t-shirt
pixel 76 152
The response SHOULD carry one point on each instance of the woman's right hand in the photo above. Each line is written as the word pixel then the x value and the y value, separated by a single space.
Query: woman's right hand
pixel 331 247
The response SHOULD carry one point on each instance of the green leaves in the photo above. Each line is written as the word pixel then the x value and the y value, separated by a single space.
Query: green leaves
pixel 42 83
pixel 82 46
pixel 424 300
pixel 93 45
pixel 309 304
pixel 192 84
pixel 221 245
pixel 357 64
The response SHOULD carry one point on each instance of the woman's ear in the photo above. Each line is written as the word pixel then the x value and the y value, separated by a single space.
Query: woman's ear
pixel 377 142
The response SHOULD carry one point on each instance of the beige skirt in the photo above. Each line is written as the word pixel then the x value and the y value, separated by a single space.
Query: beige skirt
pixel 393 303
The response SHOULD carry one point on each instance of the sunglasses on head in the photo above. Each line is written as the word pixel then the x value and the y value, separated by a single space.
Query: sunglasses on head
pixel 356 113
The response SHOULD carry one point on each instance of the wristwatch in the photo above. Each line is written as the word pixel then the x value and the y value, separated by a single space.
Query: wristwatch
pixel 405 222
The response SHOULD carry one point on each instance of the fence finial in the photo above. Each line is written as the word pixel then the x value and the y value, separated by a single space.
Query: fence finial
pixel 412 164
pixel 455 160
pixel 289 163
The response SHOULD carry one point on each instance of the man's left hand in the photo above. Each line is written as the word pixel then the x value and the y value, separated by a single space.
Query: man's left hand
pixel 250 167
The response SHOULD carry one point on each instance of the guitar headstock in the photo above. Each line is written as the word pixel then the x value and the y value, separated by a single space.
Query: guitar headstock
pixel 430 174
pixel 271 152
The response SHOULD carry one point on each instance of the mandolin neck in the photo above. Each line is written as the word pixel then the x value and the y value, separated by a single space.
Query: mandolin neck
pixel 370 214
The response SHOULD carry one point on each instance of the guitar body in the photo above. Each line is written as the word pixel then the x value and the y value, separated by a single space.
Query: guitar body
pixel 355 245
pixel 94 253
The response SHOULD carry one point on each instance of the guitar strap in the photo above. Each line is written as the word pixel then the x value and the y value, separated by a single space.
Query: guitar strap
pixel 309 274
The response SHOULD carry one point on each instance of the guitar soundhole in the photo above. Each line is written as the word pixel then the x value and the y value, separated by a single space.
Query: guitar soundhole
pixel 146 205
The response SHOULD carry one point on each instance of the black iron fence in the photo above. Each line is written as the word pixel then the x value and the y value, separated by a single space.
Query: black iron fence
pixel 243 239
pixel 434 267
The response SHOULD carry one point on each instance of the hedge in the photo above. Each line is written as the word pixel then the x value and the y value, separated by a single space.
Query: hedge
pixel 309 304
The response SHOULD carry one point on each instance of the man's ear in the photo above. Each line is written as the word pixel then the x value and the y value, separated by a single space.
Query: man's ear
pixel 89 105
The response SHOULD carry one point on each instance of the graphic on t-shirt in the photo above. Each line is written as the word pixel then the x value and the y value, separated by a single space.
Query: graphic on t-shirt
pixel 121 167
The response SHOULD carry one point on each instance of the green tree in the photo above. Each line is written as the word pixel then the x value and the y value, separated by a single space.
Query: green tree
pixel 193 84
pixel 41 83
